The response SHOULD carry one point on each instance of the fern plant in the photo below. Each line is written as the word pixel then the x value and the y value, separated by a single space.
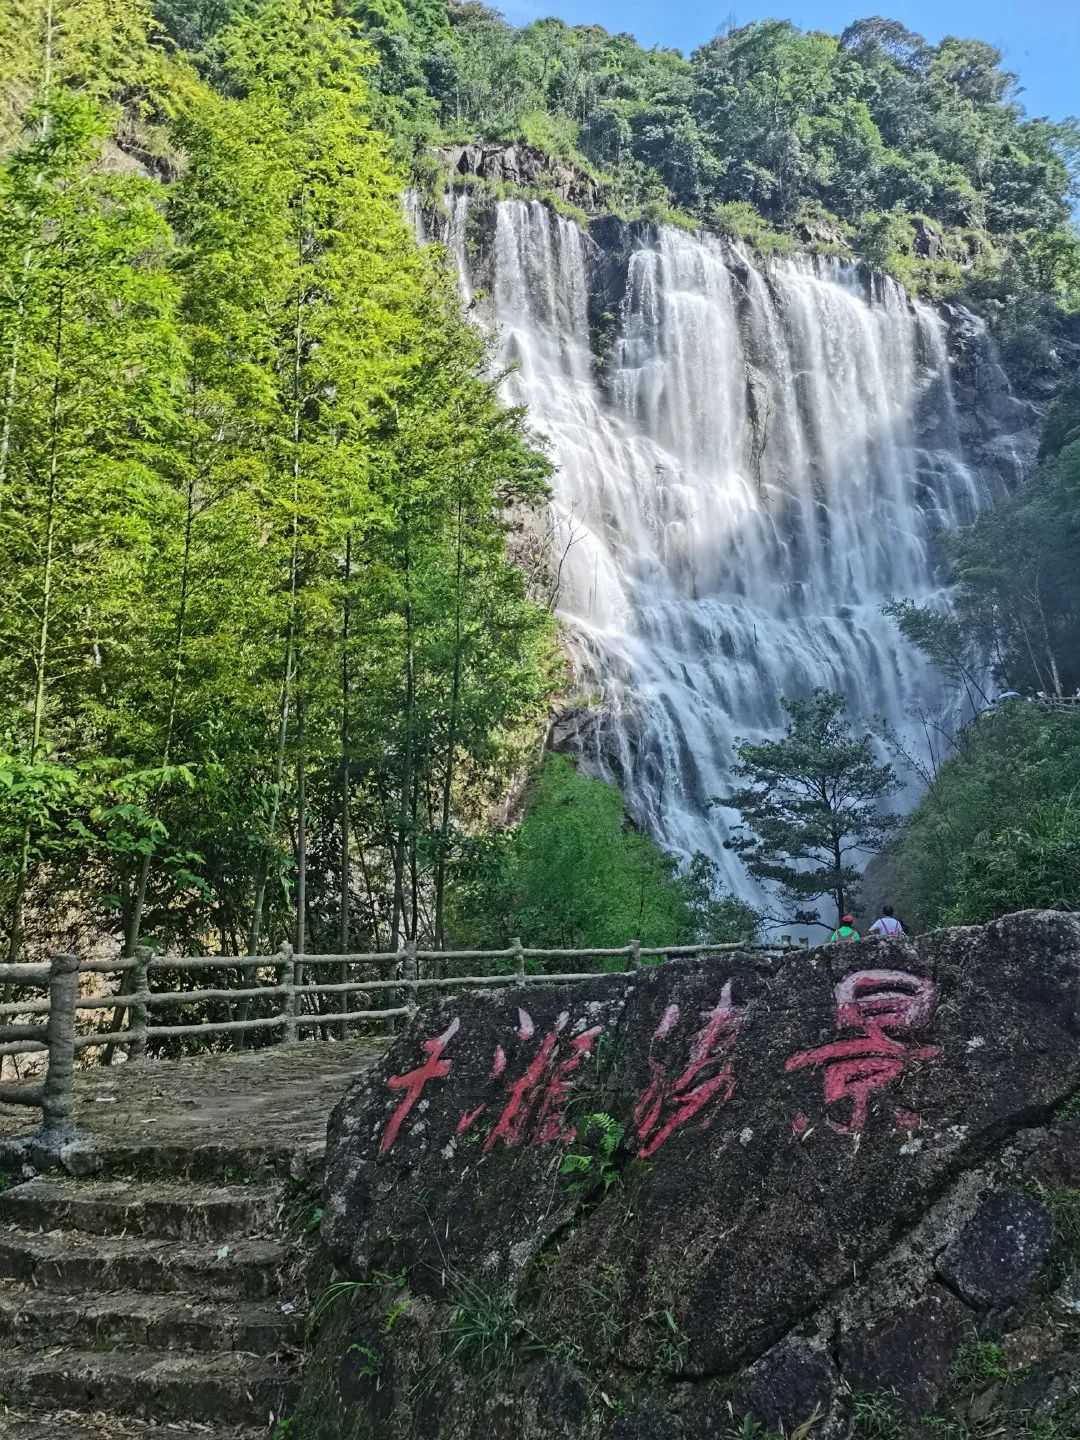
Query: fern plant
pixel 580 1167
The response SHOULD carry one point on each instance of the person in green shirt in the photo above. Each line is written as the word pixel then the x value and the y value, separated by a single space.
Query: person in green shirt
pixel 845 933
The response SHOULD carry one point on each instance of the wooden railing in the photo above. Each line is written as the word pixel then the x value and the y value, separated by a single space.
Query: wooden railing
pixel 295 997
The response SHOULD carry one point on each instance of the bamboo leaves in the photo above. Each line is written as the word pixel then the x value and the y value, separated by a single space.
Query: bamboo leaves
pixel 265 660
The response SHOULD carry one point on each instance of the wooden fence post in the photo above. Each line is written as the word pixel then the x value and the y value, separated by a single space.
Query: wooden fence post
pixel 58 1091
pixel 412 973
pixel 287 964
pixel 519 957
pixel 341 1029
pixel 633 955
pixel 139 1009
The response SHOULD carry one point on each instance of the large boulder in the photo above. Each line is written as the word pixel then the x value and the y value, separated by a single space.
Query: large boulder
pixel 582 1203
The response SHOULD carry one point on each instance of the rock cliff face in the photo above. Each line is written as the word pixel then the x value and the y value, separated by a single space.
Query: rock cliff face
pixel 820 1187
pixel 522 165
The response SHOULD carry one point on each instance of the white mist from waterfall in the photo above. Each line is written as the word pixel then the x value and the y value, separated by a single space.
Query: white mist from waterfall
pixel 735 496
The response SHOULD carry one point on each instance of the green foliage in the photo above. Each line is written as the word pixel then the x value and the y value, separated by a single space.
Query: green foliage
pixel 980 1361
pixel 575 874
pixel 1018 578
pixel 748 1428
pixel 811 807
pixel 885 240
pixel 254 483
pixel 1009 769
pixel 303 1211
pixel 876 126
pixel 369 1364
pixel 1030 866
pixel 580 1167
pixel 877 1417
pixel 1064 1204
pixel 946 640
pixel 739 220
pixel 557 134
pixel 997 830
pixel 327 1299
pixel 673 1344
pixel 487 1333
pixel 393 1315
pixel 1021 1425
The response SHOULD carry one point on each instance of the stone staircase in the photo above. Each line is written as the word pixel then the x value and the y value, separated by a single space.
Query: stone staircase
pixel 141 1306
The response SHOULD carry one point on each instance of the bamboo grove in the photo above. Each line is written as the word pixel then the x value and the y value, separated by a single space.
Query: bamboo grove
pixel 264 660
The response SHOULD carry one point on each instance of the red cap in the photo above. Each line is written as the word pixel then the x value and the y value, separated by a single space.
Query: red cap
pixel 848 920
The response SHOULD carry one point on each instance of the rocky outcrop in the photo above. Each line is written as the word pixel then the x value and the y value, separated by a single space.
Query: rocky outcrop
pixel 998 428
pixel 784 1187
pixel 525 166
pixel 818 229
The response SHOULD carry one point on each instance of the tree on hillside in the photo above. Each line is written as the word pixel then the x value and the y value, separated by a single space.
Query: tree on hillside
pixel 89 348
pixel 264 658
pixel 949 859
pixel 811 806
pixel 576 873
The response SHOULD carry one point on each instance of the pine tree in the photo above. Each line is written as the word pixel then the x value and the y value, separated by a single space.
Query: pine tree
pixel 811 807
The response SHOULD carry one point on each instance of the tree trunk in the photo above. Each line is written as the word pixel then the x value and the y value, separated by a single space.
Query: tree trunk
pixel 134 930
pixel 41 649
pixel 840 895
pixel 1050 656
pixel 290 630
pixel 301 834
pixel 343 876
pixel 9 402
pixel 414 875
pixel 451 747
pixel 405 792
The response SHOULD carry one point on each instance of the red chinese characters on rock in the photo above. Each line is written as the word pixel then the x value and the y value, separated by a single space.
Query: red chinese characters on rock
pixel 535 1111
pixel 880 1006
pixel 707 1079
pixel 433 1068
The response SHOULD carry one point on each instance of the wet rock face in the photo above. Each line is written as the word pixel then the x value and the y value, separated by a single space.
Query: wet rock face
pixel 772 1176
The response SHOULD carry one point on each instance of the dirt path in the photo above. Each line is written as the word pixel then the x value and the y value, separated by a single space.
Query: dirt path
pixel 278 1099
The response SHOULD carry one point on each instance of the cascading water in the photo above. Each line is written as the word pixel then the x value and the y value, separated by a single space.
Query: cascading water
pixel 760 461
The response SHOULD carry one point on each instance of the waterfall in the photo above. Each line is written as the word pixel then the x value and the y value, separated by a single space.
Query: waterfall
pixel 761 458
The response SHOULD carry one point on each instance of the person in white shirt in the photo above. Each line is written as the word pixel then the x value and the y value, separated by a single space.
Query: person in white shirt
pixel 888 923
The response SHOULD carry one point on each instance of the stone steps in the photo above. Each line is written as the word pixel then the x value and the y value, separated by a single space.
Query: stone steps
pixel 225 1389
pixel 71 1261
pixel 148 1303
pixel 207 1162
pixel 30 1317
pixel 71 1425
pixel 173 1210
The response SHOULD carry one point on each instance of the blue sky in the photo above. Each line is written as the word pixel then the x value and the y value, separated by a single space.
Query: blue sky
pixel 1040 38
